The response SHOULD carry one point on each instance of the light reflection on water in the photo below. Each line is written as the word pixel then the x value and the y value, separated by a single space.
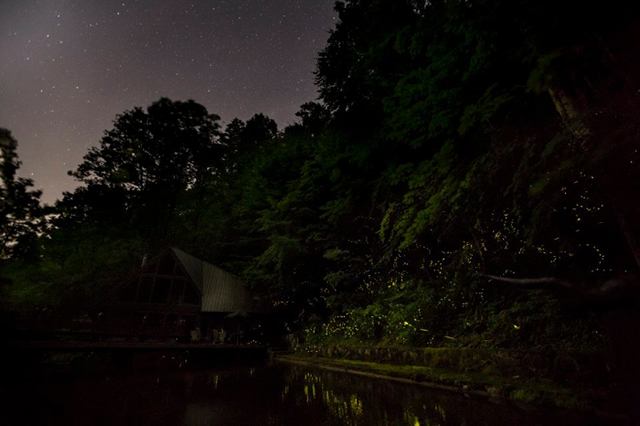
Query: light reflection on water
pixel 273 395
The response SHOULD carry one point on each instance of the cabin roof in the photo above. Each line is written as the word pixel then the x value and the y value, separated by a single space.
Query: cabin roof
pixel 192 265
pixel 221 291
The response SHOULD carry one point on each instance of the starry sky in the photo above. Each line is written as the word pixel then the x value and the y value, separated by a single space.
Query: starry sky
pixel 69 67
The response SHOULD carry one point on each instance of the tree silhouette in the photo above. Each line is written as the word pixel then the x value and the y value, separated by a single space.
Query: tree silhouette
pixel 149 161
pixel 21 216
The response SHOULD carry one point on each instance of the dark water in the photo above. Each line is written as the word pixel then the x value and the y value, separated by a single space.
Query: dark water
pixel 263 395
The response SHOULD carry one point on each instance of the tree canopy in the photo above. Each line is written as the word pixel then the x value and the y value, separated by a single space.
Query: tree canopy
pixel 147 162
pixel 21 216
pixel 451 139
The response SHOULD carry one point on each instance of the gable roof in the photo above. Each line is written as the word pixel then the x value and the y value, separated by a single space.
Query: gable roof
pixel 192 265
pixel 221 291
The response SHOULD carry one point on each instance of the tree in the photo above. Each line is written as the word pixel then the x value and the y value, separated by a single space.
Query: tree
pixel 483 131
pixel 314 118
pixel 143 187
pixel 173 143
pixel 21 216
pixel 148 162
pixel 242 140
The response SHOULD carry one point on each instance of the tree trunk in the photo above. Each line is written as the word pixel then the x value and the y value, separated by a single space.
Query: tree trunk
pixel 568 110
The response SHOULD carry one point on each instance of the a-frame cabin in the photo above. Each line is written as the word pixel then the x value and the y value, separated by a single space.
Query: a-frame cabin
pixel 176 293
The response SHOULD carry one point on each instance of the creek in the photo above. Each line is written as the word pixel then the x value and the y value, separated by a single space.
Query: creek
pixel 259 394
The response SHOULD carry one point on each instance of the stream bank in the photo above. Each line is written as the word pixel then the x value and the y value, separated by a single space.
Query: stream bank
pixel 561 379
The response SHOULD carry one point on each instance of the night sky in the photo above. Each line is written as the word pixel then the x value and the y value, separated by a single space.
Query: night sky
pixel 69 67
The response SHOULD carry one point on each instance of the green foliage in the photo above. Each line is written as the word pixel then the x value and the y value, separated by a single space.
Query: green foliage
pixel 75 273
pixel 21 216
pixel 145 165
pixel 454 138
pixel 448 315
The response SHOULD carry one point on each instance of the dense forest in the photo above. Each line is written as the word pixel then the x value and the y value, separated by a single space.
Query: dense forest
pixel 451 140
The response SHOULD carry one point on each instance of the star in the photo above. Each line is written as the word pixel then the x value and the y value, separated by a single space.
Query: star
pixel 236 58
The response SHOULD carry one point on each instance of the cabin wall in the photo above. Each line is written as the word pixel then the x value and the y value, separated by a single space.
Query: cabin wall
pixel 160 301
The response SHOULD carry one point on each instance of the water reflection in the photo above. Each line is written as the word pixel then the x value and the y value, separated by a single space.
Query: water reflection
pixel 275 395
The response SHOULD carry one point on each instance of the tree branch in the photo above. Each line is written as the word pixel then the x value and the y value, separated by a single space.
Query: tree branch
pixel 613 294
pixel 547 283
